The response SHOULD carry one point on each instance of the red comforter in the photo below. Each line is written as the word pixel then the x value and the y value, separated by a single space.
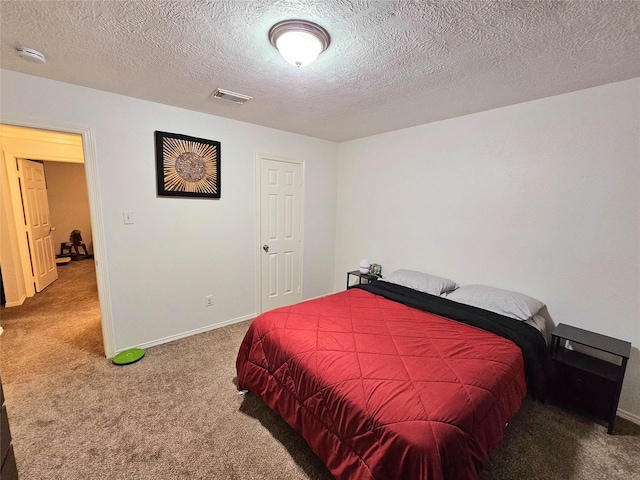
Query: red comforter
pixel 384 391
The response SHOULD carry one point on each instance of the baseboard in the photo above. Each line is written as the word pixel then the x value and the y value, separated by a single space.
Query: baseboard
pixel 17 303
pixel 629 416
pixel 315 298
pixel 178 336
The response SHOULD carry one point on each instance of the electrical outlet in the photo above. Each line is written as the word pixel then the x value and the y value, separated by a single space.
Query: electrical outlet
pixel 209 300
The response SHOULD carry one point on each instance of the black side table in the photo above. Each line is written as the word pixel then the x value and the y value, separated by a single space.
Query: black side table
pixel 362 278
pixel 587 383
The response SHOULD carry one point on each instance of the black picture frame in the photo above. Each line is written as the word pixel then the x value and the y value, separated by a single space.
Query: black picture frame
pixel 187 166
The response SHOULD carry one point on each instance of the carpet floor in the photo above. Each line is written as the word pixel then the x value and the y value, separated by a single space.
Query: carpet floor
pixel 176 414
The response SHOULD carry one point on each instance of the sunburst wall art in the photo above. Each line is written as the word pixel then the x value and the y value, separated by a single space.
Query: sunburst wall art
pixel 187 166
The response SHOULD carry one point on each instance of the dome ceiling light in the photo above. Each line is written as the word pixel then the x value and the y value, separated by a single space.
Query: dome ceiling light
pixel 299 41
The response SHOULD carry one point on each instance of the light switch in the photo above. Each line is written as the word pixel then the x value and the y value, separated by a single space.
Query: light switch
pixel 128 217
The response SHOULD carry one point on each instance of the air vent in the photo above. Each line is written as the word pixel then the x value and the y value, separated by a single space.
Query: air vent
pixel 31 55
pixel 231 96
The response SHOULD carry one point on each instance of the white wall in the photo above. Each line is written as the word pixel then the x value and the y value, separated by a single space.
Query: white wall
pixel 179 250
pixel 68 202
pixel 540 197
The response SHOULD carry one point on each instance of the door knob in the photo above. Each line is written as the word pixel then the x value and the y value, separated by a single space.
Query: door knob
pixel 265 248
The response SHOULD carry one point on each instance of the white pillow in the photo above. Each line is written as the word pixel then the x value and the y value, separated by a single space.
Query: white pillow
pixel 510 304
pixel 421 281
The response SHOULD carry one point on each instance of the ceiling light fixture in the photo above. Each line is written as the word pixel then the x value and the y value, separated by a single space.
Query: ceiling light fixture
pixel 299 41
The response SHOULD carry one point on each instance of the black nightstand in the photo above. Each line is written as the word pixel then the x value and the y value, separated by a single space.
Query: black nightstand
pixel 362 278
pixel 585 383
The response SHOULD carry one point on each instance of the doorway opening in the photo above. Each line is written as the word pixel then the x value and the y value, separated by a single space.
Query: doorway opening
pixel 68 315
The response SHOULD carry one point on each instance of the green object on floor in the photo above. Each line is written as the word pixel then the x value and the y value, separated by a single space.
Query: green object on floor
pixel 128 356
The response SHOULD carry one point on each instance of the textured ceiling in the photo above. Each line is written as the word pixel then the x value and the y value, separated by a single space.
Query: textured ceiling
pixel 390 65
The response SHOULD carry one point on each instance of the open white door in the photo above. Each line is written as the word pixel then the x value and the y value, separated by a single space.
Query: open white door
pixel 37 223
pixel 280 232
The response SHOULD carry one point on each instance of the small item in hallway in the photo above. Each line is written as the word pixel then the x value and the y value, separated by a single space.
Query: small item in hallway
pixel 128 356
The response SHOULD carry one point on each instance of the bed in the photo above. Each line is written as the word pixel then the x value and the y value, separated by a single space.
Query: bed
pixel 386 382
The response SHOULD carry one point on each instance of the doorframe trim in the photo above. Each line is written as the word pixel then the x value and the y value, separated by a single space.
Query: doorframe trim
pixel 95 209
pixel 278 158
pixel 15 194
